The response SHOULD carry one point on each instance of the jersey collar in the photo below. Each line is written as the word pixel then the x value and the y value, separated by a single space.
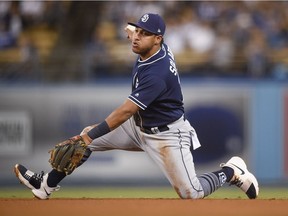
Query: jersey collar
pixel 161 53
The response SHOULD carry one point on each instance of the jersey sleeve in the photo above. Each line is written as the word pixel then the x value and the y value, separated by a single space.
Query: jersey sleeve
pixel 148 89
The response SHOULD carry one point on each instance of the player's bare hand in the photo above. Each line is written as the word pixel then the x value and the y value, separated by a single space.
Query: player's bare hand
pixel 129 30
pixel 86 138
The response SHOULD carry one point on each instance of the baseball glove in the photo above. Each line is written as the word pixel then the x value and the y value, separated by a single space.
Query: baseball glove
pixel 66 156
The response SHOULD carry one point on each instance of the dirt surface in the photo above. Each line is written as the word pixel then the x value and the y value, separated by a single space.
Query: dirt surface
pixel 142 207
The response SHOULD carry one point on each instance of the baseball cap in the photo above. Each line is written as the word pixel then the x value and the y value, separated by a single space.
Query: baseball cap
pixel 152 23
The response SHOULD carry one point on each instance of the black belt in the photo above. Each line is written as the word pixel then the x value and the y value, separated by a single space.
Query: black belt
pixel 154 130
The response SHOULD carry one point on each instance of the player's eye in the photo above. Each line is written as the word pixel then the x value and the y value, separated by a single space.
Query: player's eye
pixel 143 32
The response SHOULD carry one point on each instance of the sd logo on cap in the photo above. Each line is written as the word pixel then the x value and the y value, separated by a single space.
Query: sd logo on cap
pixel 152 23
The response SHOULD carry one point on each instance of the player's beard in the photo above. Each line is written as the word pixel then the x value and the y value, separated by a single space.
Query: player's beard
pixel 144 53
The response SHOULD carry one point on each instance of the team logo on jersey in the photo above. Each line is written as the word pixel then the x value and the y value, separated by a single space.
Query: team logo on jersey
pixel 145 17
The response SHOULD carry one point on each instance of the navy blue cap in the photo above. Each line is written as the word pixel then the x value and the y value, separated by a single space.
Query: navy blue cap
pixel 152 23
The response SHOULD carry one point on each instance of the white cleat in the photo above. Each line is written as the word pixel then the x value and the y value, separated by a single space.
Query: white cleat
pixel 36 182
pixel 242 178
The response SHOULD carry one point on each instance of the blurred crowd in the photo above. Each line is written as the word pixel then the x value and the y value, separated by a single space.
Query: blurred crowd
pixel 19 51
pixel 242 38
pixel 16 16
pixel 208 38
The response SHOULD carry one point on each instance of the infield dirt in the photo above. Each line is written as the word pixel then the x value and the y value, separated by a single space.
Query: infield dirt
pixel 142 207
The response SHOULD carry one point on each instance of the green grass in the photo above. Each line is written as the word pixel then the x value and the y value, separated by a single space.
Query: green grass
pixel 141 192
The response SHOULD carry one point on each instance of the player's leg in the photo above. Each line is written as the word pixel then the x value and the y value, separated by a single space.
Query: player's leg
pixel 42 185
pixel 124 137
pixel 173 156
pixel 234 172
pixel 120 138
pixel 172 153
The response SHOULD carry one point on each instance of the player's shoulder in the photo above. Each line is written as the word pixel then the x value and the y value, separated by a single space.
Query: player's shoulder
pixel 169 52
pixel 157 57
pixel 162 57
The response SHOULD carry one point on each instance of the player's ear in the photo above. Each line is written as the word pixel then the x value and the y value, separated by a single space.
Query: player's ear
pixel 158 39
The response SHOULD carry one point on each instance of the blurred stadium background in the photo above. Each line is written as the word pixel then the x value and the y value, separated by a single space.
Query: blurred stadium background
pixel 57 55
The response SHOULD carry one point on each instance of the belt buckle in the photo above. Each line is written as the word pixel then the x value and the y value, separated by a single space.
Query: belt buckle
pixel 150 130
pixel 155 130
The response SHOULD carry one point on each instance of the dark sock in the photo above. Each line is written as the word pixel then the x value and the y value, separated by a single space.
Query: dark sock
pixel 214 180
pixel 229 172
pixel 54 177
pixel 210 182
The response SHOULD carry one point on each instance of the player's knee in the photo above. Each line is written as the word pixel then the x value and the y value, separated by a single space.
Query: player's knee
pixel 189 193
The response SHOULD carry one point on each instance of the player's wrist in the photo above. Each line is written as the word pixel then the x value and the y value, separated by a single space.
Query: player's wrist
pixel 86 138
pixel 98 131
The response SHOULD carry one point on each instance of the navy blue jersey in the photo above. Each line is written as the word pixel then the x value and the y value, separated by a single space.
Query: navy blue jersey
pixel 156 90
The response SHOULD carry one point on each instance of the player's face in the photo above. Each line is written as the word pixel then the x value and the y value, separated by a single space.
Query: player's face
pixel 145 43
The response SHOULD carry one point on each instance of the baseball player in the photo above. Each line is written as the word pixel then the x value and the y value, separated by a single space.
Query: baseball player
pixel 152 120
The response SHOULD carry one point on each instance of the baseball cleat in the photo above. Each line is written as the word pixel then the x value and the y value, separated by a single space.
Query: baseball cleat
pixel 242 178
pixel 36 182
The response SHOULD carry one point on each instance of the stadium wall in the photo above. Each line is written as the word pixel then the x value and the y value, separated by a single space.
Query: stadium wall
pixel 244 118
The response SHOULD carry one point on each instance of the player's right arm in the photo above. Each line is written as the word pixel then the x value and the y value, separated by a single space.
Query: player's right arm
pixel 114 120
pixel 121 114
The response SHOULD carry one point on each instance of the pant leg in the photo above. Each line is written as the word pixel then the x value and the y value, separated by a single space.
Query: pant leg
pixel 171 151
pixel 122 138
